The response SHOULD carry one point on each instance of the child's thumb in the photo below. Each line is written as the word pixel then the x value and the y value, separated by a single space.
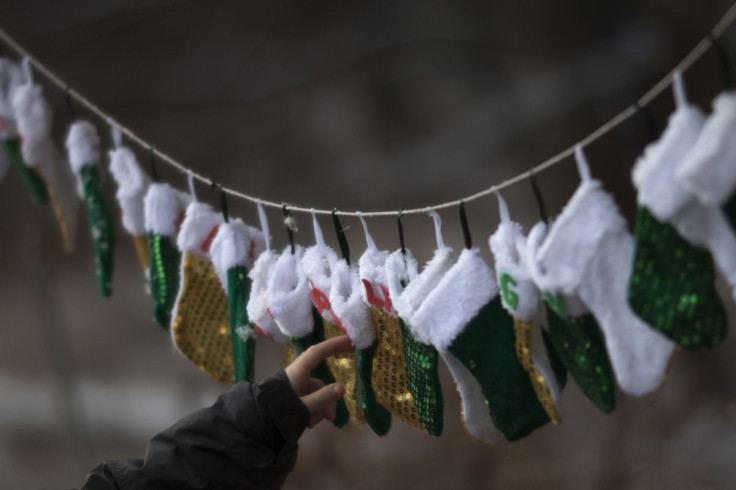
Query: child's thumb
pixel 323 397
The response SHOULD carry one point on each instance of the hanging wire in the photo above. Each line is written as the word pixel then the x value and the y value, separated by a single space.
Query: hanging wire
pixel 223 201
pixel 289 224
pixel 721 26
pixel 538 195
pixel 401 231
pixel 723 61
pixel 341 238
pixel 466 228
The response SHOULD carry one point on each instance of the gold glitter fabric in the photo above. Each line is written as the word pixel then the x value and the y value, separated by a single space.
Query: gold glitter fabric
pixel 141 248
pixel 522 344
pixel 342 367
pixel 200 327
pixel 288 353
pixel 389 379
pixel 672 285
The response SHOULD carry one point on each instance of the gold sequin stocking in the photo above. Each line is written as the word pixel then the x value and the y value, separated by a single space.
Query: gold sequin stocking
pixel 289 354
pixel 389 379
pixel 58 213
pixel 522 334
pixel 200 327
pixel 141 248
pixel 342 367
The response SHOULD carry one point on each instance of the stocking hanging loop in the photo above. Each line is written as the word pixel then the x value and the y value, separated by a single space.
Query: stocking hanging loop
pixel 152 161
pixel 117 136
pixel 264 224
pixel 464 225
pixel 503 209
pixel 437 227
pixel 678 87
pixel 401 232
pixel 319 238
pixel 341 238
pixel 190 181
pixel 582 163
pixel 725 65
pixel 538 197
pixel 289 223
pixel 27 71
pixel 368 238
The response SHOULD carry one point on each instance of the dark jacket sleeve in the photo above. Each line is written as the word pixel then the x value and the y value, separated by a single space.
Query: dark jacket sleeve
pixel 247 439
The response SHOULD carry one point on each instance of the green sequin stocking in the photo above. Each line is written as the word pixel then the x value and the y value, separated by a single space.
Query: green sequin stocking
pixel 377 417
pixel 241 332
pixel 424 383
pixel 164 276
pixel 321 372
pixel 581 347
pixel 486 347
pixel 101 227
pixel 672 286
pixel 33 182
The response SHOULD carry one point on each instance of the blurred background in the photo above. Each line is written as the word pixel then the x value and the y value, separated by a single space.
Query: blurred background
pixel 362 106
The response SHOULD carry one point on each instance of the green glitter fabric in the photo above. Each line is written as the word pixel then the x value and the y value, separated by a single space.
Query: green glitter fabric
pixel 672 286
pixel 377 417
pixel 101 227
pixel 164 276
pixel 33 182
pixel 244 347
pixel 581 347
pixel 321 372
pixel 424 382
pixel 486 347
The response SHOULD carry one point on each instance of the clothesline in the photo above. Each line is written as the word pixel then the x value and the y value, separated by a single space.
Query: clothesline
pixel 708 41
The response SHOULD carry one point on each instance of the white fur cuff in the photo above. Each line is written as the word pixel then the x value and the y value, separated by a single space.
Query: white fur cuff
pixel 199 229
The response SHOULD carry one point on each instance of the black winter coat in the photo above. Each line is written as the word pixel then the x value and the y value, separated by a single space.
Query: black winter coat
pixel 247 439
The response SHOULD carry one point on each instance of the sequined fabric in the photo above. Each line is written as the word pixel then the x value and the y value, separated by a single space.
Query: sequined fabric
pixel 424 383
pixel 101 227
pixel 389 380
pixel 486 347
pixel 342 367
pixel 672 286
pixel 289 354
pixel 581 347
pixel 32 181
pixel 163 276
pixel 243 345
pixel 200 327
pixel 522 334
pixel 59 215
pixel 141 250
pixel 377 417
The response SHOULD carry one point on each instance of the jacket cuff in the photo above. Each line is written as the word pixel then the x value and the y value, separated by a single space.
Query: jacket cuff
pixel 284 408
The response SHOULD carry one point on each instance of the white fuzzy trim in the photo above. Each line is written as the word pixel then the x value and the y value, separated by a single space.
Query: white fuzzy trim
pixel 11 78
pixel 589 216
pixel 509 250
pixel 654 173
pixel 477 416
pixel 164 207
pixel 257 307
pixel 132 187
pixel 348 305
pixel 229 248
pixel 416 291
pixel 401 267
pixel 372 269
pixel 289 298
pixel 709 169
pixel 318 261
pixel 83 145
pixel 198 223
pixel 462 292
pixel 256 245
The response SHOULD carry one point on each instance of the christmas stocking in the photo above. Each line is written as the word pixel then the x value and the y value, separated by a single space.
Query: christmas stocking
pixel 464 319
pixel 200 323
pixel 708 171
pixel 10 79
pixel 589 253
pixel 132 187
pixel 575 334
pixel 33 117
pixel 521 299
pixel 233 250
pixel 164 209
pixel 318 263
pixel 672 286
pixel 420 359
pixel 83 146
